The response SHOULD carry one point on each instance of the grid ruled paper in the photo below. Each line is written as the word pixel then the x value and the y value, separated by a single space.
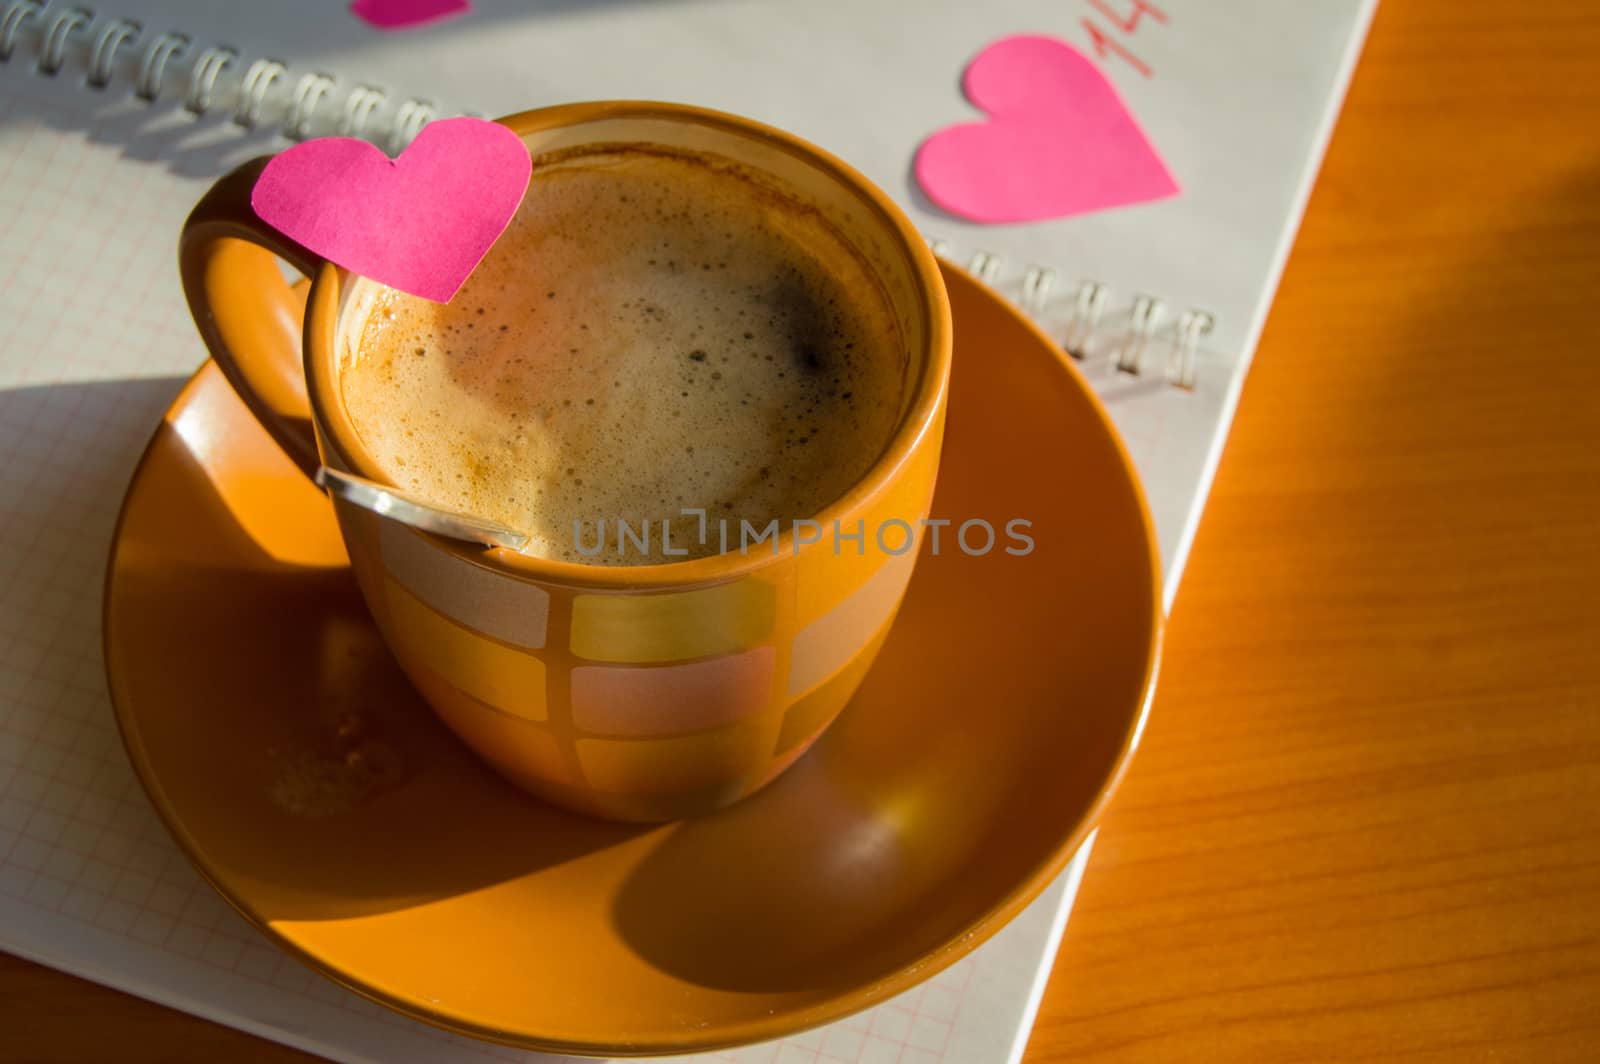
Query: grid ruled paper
pixel 93 189
pixel 98 341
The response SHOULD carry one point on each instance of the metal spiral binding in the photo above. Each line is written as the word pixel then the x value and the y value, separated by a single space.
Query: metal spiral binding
pixel 984 266
pixel 203 78
pixel 1191 327
pixel 54 51
pixel 358 108
pixel 1091 301
pixel 264 96
pixel 1130 357
pixel 253 93
pixel 11 21
pixel 312 88
pixel 116 34
pixel 408 122
pixel 153 67
pixel 1131 346
pixel 1036 285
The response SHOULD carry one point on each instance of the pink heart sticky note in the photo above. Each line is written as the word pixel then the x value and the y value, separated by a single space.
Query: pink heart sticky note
pixel 419 223
pixel 1059 140
pixel 407 14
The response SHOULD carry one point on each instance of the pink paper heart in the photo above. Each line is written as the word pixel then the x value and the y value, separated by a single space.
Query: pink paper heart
pixel 1059 140
pixel 407 14
pixel 420 223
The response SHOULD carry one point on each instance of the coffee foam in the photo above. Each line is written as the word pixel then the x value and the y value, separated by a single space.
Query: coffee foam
pixel 655 331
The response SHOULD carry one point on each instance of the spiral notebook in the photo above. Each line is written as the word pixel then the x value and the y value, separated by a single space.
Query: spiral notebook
pixel 114 119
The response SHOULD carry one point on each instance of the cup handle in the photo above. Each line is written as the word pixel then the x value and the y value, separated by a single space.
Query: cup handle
pixel 250 317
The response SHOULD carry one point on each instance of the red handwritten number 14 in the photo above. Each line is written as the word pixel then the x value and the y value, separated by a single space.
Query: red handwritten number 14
pixel 1105 44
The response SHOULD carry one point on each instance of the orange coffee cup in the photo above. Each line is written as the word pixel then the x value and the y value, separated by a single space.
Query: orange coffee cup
pixel 646 692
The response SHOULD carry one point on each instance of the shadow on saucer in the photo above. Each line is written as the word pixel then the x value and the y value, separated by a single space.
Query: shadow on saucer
pixel 265 712
pixel 976 752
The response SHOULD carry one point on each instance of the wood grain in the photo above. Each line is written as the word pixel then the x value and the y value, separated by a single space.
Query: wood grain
pixel 1362 824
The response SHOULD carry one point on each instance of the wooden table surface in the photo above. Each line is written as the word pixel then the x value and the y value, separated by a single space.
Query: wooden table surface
pixel 1363 822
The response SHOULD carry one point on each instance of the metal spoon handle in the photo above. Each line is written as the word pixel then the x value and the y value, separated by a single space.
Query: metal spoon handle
pixel 409 510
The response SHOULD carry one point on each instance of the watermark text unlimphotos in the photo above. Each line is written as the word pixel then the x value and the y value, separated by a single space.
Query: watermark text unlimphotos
pixel 975 537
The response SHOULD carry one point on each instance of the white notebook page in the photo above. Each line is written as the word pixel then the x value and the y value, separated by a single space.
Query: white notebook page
pixel 92 191
pixel 99 341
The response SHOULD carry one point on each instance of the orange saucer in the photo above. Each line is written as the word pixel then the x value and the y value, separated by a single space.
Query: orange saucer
pixel 319 795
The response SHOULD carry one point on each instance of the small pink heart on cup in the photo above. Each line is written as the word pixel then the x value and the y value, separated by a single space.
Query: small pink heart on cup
pixel 420 223
pixel 407 14
pixel 1059 140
